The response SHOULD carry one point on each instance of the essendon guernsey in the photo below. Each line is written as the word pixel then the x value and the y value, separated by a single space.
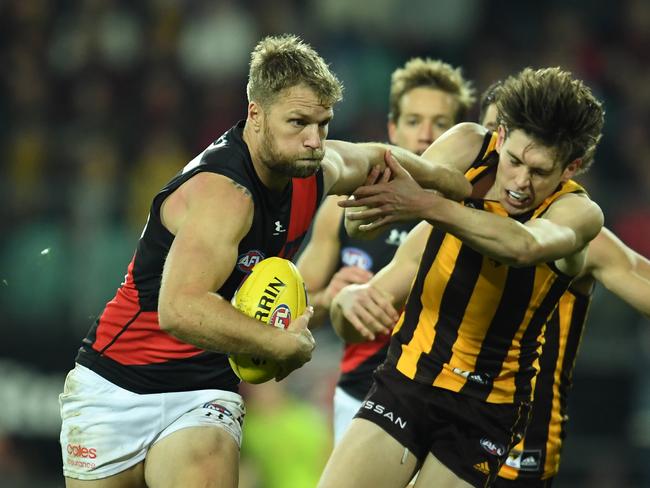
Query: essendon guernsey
pixel 471 324
pixel 126 344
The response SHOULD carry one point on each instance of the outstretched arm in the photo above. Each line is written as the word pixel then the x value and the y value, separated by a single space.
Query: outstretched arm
pixel 457 149
pixel 318 262
pixel 359 312
pixel 209 215
pixel 623 271
pixel 347 165
pixel 568 225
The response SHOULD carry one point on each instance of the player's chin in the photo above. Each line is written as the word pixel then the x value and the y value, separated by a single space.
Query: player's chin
pixel 304 168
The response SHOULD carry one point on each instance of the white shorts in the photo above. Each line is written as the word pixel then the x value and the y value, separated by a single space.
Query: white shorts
pixel 107 429
pixel 345 408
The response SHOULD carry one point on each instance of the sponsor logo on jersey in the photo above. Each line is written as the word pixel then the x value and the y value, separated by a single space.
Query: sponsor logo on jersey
pixel 396 237
pixel 384 412
pixel 245 262
pixel 279 228
pixel 82 451
pixel 480 378
pixel 353 256
pixel 492 447
pixel 281 316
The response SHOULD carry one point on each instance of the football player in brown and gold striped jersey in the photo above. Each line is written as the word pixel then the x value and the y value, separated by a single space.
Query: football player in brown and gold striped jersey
pixel 454 394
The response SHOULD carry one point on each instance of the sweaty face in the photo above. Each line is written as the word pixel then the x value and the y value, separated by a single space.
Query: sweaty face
pixel 527 174
pixel 294 128
pixel 425 113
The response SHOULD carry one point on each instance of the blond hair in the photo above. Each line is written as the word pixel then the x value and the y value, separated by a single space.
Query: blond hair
pixel 430 73
pixel 281 62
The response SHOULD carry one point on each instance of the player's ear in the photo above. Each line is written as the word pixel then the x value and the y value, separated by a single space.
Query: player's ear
pixel 572 168
pixel 501 137
pixel 255 115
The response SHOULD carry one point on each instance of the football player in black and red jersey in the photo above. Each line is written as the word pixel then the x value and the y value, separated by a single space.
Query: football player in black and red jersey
pixel 152 399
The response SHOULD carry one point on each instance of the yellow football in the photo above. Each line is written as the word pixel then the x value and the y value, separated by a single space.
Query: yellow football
pixel 273 293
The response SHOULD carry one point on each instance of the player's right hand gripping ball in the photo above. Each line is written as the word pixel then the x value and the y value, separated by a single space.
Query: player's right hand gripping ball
pixel 273 293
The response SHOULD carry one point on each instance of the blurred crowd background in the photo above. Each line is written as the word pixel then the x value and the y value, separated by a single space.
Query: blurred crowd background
pixel 101 101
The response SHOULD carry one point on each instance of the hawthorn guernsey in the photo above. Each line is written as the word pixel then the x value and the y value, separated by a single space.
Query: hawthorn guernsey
pixel 274 293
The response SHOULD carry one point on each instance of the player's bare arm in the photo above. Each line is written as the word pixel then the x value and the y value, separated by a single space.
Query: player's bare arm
pixel 346 166
pixel 623 271
pixel 359 312
pixel 403 198
pixel 318 262
pixel 457 147
pixel 561 235
pixel 209 215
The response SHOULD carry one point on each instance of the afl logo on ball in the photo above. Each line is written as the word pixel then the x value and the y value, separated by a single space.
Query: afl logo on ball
pixel 281 317
pixel 245 262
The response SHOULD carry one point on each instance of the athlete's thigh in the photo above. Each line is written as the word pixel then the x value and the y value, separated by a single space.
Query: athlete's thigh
pixel 434 473
pixel 132 477
pixel 194 456
pixel 368 456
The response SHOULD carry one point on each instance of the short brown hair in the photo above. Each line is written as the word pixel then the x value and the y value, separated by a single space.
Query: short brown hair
pixel 281 62
pixel 556 110
pixel 430 73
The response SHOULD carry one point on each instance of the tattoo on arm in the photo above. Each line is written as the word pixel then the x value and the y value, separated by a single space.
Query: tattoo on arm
pixel 241 188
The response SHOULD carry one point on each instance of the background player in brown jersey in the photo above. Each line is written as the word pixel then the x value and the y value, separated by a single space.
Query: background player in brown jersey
pixel 427 97
pixel 152 379
pixel 453 395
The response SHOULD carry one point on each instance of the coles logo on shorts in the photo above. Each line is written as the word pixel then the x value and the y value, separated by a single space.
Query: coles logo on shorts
pixel 245 262
pixel 352 256
pixel 281 317
pixel 82 451
pixel 492 447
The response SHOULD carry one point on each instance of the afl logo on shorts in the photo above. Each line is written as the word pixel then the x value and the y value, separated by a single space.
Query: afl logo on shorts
pixel 492 447
pixel 281 317
pixel 245 262
pixel 352 256
pixel 219 408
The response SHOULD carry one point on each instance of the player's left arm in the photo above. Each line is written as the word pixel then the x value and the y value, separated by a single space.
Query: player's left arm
pixel 347 165
pixel 620 269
